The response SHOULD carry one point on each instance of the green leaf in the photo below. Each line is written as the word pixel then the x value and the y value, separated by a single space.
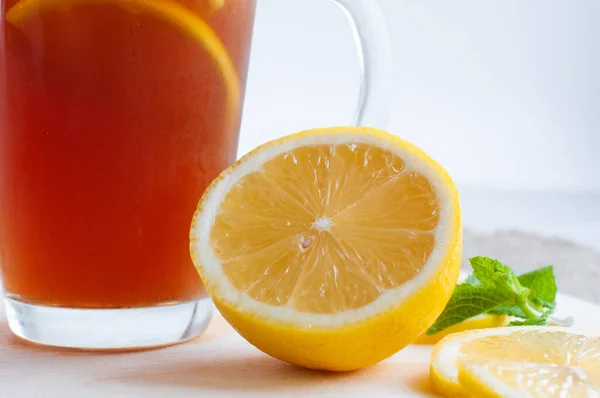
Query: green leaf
pixel 539 303
pixel 492 272
pixel 539 321
pixel 510 310
pixel 495 289
pixel 542 284
pixel 466 302
pixel 486 269
pixel 472 280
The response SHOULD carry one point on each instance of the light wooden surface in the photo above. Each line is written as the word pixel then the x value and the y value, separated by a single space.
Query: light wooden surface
pixel 218 364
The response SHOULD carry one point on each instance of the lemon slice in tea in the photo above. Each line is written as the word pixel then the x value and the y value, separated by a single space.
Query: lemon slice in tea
pixel 171 12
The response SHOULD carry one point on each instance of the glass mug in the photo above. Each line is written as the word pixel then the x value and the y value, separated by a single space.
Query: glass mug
pixel 114 117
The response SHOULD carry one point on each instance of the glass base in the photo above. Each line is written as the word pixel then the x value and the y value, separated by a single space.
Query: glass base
pixel 109 329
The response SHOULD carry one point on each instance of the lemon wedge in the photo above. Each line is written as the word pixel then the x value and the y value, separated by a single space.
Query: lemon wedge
pixel 332 248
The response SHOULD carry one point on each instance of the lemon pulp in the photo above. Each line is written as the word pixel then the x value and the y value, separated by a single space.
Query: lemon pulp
pixel 167 10
pixel 333 239
pixel 537 362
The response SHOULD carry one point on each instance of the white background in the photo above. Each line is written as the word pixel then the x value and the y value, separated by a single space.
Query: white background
pixel 505 94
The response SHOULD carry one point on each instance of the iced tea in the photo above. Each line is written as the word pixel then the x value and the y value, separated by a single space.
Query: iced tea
pixel 112 123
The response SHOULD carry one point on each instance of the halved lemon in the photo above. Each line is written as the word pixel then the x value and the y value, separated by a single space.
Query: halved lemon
pixel 483 321
pixel 544 361
pixel 332 248
pixel 168 11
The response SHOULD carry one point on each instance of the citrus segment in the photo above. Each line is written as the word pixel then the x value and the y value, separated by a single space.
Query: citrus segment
pixel 302 247
pixel 500 379
pixel 169 11
pixel 326 238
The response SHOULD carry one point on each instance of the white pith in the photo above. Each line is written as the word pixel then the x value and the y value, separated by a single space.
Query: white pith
pixel 213 272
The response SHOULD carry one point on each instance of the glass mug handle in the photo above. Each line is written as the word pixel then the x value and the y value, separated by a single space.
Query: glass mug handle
pixel 375 57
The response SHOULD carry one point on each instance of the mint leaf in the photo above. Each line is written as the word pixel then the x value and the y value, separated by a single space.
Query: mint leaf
pixel 494 288
pixel 466 302
pixel 542 283
pixel 472 280
pixel 492 272
pixel 510 310
pixel 542 286
pixel 539 321
pixel 486 269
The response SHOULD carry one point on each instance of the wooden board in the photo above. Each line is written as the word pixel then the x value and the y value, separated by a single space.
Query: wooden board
pixel 218 364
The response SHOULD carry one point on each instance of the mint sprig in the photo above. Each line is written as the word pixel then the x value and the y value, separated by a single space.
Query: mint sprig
pixel 495 289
